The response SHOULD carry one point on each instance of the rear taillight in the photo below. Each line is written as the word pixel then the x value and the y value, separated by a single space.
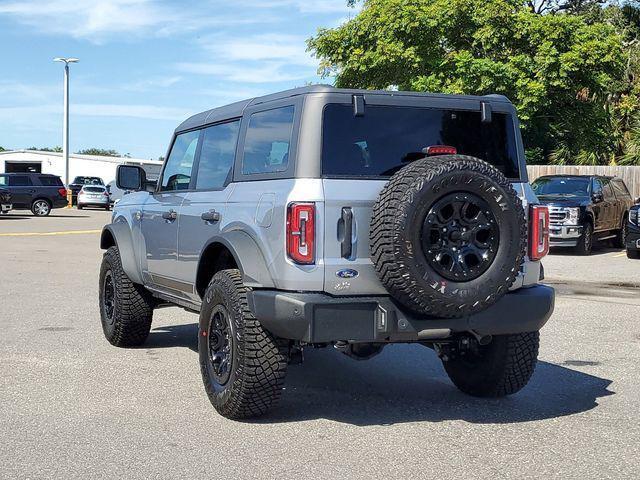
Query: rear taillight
pixel 440 150
pixel 62 192
pixel 538 231
pixel 301 231
pixel 106 194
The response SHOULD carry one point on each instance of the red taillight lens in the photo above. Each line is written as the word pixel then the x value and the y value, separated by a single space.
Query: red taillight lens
pixel 301 231
pixel 440 150
pixel 62 192
pixel 538 232
pixel 106 194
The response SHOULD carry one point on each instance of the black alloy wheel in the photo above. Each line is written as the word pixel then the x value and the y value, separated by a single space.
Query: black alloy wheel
pixel 460 236
pixel 220 343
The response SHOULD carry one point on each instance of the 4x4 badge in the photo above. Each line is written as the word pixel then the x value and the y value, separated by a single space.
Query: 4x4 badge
pixel 347 273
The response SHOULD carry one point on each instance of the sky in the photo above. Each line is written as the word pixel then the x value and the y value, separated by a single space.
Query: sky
pixel 146 65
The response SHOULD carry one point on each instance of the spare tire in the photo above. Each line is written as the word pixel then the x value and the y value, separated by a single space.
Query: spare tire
pixel 448 235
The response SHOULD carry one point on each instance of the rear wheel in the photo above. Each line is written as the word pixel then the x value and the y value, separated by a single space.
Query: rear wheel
pixel 621 236
pixel 501 368
pixel 585 243
pixel 243 366
pixel 41 208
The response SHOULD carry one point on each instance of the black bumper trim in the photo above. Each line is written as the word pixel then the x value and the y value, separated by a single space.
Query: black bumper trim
pixel 320 318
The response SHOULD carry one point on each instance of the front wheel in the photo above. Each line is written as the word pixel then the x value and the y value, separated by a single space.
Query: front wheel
pixel 126 309
pixel 585 244
pixel 503 367
pixel 41 208
pixel 243 366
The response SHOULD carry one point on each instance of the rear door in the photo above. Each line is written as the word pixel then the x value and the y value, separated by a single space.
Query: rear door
pixel 361 152
pixel 161 217
pixel 610 205
pixel 204 208
pixel 22 190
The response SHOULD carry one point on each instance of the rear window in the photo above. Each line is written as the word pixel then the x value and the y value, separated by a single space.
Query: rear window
pixel 88 181
pixel 385 138
pixel 93 189
pixel 50 181
pixel 620 188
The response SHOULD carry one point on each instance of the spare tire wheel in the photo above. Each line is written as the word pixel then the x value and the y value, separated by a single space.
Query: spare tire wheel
pixel 448 235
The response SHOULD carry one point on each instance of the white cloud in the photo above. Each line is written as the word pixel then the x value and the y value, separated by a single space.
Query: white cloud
pixel 303 6
pixel 263 72
pixel 22 114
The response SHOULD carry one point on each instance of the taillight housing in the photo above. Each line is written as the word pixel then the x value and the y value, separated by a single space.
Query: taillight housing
pixel 538 231
pixel 301 232
pixel 62 192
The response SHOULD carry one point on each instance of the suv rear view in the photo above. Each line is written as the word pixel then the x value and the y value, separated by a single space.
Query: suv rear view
pixel 320 216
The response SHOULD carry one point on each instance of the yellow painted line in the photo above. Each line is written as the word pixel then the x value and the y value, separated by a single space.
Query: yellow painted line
pixel 623 254
pixel 48 234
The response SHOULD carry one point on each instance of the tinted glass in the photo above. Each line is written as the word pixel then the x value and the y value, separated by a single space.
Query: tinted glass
pixel 620 188
pixel 597 186
pixel 50 181
pixel 4 181
pixel 608 191
pixel 19 181
pixel 565 186
pixel 266 146
pixel 385 138
pixel 88 181
pixel 177 171
pixel 217 155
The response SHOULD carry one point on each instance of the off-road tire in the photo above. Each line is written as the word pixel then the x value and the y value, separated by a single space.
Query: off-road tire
pixel 396 250
pixel 41 207
pixel 258 360
pixel 585 242
pixel 130 321
pixel 633 254
pixel 504 367
pixel 621 234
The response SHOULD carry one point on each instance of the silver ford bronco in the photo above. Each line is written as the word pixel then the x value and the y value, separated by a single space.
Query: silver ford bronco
pixel 320 216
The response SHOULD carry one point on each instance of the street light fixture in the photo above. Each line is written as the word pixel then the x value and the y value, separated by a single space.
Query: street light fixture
pixel 65 128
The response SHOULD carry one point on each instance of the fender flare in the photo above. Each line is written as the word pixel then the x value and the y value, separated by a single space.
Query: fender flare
pixel 118 233
pixel 248 257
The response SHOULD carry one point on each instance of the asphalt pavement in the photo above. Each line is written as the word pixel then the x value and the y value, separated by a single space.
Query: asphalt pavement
pixel 73 406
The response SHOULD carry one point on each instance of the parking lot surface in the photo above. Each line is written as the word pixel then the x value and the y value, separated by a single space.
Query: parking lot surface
pixel 75 407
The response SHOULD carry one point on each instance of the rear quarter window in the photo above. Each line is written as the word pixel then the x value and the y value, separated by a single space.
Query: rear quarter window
pixel 386 138
pixel 50 181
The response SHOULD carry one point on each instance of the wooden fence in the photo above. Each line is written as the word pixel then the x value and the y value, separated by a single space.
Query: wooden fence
pixel 630 175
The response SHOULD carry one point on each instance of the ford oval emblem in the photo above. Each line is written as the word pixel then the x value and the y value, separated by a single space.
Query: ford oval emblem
pixel 347 273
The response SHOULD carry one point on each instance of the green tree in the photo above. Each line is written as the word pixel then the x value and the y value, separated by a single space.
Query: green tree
pixel 2 149
pixel 99 151
pixel 46 149
pixel 557 68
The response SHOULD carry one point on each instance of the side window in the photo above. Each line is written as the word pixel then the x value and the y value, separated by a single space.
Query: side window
pixel 608 191
pixel 19 181
pixel 4 180
pixel 597 186
pixel 50 181
pixel 177 170
pixel 217 155
pixel 266 146
pixel 620 188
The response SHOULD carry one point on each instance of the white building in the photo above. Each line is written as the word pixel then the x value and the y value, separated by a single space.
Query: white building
pixel 79 165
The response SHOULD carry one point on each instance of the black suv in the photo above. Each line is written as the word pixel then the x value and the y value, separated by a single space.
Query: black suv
pixel 584 208
pixel 80 182
pixel 37 192
pixel 633 235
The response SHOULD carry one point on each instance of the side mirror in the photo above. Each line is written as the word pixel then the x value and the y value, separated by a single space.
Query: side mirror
pixel 598 197
pixel 130 177
pixel 638 201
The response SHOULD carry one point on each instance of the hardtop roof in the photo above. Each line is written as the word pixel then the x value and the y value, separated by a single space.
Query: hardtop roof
pixel 236 109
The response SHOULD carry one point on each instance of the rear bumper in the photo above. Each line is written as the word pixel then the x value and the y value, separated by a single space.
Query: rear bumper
pixel 319 318
pixel 59 202
pixel 564 235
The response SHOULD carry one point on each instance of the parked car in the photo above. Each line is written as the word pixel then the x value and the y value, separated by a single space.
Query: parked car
pixel 5 200
pixel 633 236
pixel 584 209
pixel 94 196
pixel 321 216
pixel 80 182
pixel 37 192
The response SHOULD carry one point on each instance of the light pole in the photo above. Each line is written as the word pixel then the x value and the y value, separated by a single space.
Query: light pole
pixel 65 128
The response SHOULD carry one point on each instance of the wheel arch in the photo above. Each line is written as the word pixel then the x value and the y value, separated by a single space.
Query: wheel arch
pixel 118 234
pixel 233 250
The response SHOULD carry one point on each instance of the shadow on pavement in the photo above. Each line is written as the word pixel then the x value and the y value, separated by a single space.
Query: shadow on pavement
pixel 406 383
pixel 602 249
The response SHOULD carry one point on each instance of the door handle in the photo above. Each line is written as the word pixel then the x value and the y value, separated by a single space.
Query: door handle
pixel 211 216
pixel 346 246
pixel 170 215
